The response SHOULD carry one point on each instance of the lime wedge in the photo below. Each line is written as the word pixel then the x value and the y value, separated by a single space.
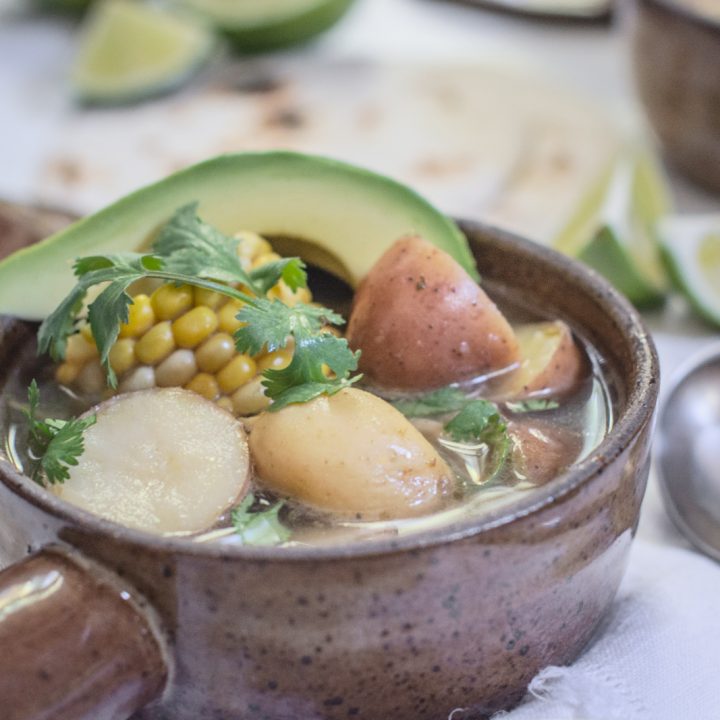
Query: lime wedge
pixel 691 250
pixel 269 24
pixel 64 6
pixel 624 246
pixel 130 51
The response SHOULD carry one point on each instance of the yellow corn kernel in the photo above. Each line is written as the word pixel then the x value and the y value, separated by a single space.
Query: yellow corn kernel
pixel 226 404
pixel 91 379
pixel 208 298
pixel 264 259
pixel 236 373
pixel 206 385
pixel 215 353
pixel 156 344
pixel 141 378
pixel 276 360
pixel 252 245
pixel 250 398
pixel 141 317
pixel 284 294
pixel 86 332
pixel 170 302
pixel 66 374
pixel 228 322
pixel 194 326
pixel 176 370
pixel 79 350
pixel 122 356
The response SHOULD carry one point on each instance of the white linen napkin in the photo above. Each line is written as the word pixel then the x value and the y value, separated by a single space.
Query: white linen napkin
pixel 657 655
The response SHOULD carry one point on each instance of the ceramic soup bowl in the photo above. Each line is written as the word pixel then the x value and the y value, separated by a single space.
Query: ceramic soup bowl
pixel 676 52
pixel 99 622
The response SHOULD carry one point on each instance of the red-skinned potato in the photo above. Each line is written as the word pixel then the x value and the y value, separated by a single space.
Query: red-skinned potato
pixel 542 450
pixel 551 362
pixel 351 453
pixel 422 322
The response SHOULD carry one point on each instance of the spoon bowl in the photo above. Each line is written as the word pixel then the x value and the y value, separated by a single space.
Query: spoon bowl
pixel 686 451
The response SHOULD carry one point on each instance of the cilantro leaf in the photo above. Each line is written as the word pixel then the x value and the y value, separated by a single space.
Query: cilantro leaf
pixel 190 251
pixel 192 247
pixel 290 270
pixel 479 420
pixel 532 405
pixel 438 402
pixel 270 322
pixel 259 527
pixel 56 445
pixel 120 271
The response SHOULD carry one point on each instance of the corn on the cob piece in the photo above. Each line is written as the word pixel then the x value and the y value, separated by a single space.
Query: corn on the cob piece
pixel 182 337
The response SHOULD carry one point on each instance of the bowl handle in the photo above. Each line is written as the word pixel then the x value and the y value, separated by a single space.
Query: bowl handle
pixel 74 645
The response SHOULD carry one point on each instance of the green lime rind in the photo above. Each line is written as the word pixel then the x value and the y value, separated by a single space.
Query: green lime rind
pixel 131 52
pixel 70 7
pixel 679 251
pixel 623 245
pixel 350 214
pixel 606 254
pixel 273 31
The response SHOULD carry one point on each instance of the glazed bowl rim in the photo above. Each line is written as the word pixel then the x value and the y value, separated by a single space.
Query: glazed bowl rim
pixel 687 13
pixel 639 408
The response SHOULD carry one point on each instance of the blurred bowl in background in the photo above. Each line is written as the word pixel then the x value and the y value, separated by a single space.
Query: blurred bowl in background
pixel 676 49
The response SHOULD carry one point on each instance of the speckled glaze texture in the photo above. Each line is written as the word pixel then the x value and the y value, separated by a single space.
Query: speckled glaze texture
pixel 677 65
pixel 74 646
pixel 459 619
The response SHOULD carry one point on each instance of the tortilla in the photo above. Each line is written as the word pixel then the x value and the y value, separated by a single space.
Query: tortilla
pixel 480 141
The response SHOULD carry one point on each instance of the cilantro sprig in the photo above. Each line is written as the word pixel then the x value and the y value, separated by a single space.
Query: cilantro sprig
pixel 259 526
pixel 55 445
pixel 190 251
pixel 532 405
pixel 478 421
pixel 437 402
pixel 475 420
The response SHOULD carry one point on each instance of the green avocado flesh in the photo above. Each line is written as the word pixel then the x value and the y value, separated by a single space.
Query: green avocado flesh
pixel 346 216
pixel 270 24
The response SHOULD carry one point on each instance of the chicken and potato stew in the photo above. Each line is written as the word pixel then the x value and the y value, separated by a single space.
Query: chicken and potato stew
pixel 199 390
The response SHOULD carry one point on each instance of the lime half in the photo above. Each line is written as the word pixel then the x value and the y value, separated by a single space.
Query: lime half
pixel 624 245
pixel 691 250
pixel 130 51
pixel 258 25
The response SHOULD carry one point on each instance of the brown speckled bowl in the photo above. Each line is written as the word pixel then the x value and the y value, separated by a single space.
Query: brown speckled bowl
pixel 97 621
pixel 677 65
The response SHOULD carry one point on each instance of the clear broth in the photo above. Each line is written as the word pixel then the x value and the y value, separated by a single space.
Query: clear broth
pixel 574 429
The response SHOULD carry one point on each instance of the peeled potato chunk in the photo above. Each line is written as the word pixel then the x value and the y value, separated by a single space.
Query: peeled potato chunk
pixel 551 363
pixel 351 453
pixel 164 460
pixel 422 322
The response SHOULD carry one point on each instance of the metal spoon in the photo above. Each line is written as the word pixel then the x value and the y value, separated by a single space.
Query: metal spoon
pixel 687 450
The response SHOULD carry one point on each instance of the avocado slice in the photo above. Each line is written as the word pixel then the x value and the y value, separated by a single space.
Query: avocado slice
pixel 270 24
pixel 344 217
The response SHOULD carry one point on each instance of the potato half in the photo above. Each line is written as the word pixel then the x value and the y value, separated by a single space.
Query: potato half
pixel 351 453
pixel 164 460
pixel 422 322
pixel 542 450
pixel 551 364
